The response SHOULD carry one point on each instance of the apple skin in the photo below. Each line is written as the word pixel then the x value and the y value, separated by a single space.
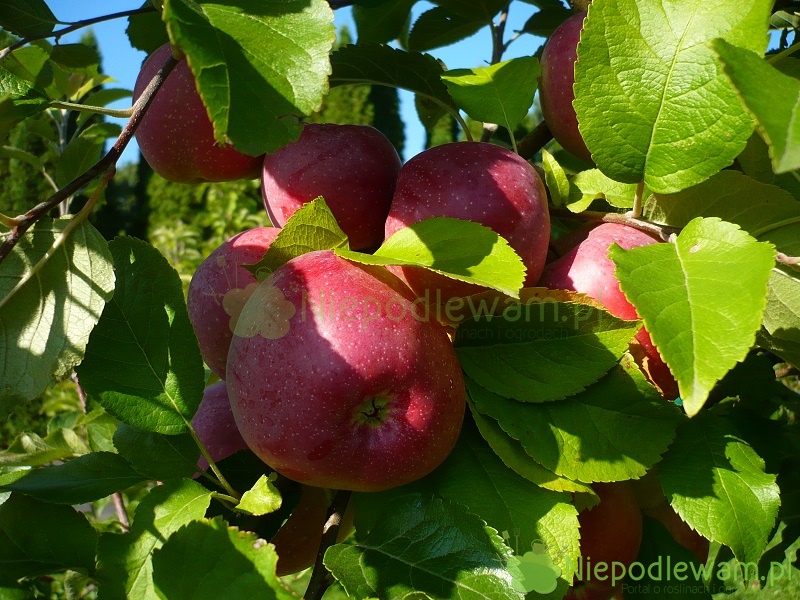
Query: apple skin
pixel 586 268
pixel 479 182
pixel 215 425
pixel 219 289
pixel 334 382
pixel 555 86
pixel 354 167
pixel 176 136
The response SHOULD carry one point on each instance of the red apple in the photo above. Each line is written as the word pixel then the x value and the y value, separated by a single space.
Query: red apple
pixel 215 425
pixel 176 136
pixel 555 86
pixel 335 383
pixel 353 167
pixel 478 182
pixel 586 268
pixel 219 289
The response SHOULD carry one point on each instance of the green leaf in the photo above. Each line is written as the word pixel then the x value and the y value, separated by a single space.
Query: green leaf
pixel 615 430
pixel 311 227
pixel 772 98
pixel 38 538
pixel 263 498
pixel 381 21
pixel 501 93
pixel 79 155
pixel 556 179
pixel 485 10
pixel 701 297
pixel 27 18
pixel 755 162
pixel 100 428
pixel 686 122
pixel 255 63
pixel 77 58
pixel 540 350
pixel 52 292
pixel 430 546
pixel 124 561
pixel 146 31
pixel 31 450
pixel 439 27
pixel 83 479
pixel 716 482
pixel 545 21
pixel 587 186
pixel 23 155
pixel 462 250
pixel 142 363
pixel 157 456
pixel 781 324
pixel 235 564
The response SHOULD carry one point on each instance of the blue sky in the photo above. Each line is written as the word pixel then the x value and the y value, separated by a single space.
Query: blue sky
pixel 122 62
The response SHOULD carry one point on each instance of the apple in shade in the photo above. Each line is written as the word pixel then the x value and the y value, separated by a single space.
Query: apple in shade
pixel 176 136
pixel 555 86
pixel 333 381
pixel 219 289
pixel 680 530
pixel 353 167
pixel 586 268
pixel 478 182
pixel 215 425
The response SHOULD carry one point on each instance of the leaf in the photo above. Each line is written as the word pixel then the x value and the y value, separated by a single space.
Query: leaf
pixel 235 564
pixel 255 63
pixel 157 456
pixel 27 18
pixel 485 10
pixel 23 155
pixel 772 99
pixel 615 430
pixel 381 21
pixel 501 93
pixel 37 538
pixel 31 450
pixel 545 21
pixel 124 561
pixel 462 250
pixel 77 58
pixel 782 316
pixel 716 482
pixel 540 350
pixel 439 27
pixel 79 155
pixel 311 227
pixel 142 363
pixel 51 295
pixel 83 479
pixel 701 297
pixel 556 179
pixel 263 498
pixel 146 31
pixel 686 123
pixel 756 163
pixel 426 545
pixel 591 184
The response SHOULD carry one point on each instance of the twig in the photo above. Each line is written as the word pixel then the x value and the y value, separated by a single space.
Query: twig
pixel 662 231
pixel 498 31
pixel 336 4
pixel 79 389
pixel 110 159
pixel 775 59
pixel 213 465
pixel 792 261
pixel 122 514
pixel 321 579
pixel 537 139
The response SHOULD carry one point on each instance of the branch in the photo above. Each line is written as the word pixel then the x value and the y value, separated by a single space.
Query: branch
pixel 321 578
pixel 336 4
pixel 662 231
pixel 24 222
pixel 498 31
pixel 792 261
pixel 537 139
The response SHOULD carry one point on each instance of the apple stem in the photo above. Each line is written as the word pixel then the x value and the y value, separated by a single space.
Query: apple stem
pixel 321 578
pixel 123 113
pixel 662 231
pixel 773 60
pixel 213 465
pixel 636 211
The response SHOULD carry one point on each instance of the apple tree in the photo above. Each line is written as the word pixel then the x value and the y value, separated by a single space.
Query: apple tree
pixel 557 358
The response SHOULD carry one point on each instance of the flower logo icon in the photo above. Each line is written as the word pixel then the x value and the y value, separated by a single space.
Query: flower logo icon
pixel 540 573
pixel 266 313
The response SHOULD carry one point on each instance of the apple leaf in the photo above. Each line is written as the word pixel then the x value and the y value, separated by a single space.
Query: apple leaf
pixel 686 122
pixel 78 157
pixel 716 482
pixel 146 31
pixel 255 63
pixel 587 186
pixel 381 21
pixel 142 362
pixel 501 93
pixel 546 20
pixel 484 10
pixel 772 98
pixel 555 178
pixel 540 350
pixel 263 498
pixel 52 291
pixel 701 297
pixel 27 18
pixel 124 561
pixel 426 545
pixel 781 324
pixel 29 449
pixel 756 162
pixel 615 430
pixel 439 27
pixel 157 456
pixel 235 564
pixel 462 250
pixel 311 227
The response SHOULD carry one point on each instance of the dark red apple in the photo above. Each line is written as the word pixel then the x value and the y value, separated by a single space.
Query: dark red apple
pixel 219 289
pixel 176 136
pixel 479 182
pixel 215 425
pixel 335 383
pixel 353 167
pixel 555 86
pixel 586 268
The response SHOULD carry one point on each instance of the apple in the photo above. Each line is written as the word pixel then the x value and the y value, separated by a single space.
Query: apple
pixel 586 268
pixel 176 136
pixel 335 382
pixel 479 182
pixel 353 167
pixel 680 530
pixel 214 424
pixel 611 531
pixel 555 86
pixel 219 289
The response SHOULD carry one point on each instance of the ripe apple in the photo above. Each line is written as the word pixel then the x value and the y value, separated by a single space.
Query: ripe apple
pixel 215 425
pixel 219 289
pixel 555 86
pixel 479 182
pixel 353 167
pixel 176 136
pixel 586 268
pixel 335 383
